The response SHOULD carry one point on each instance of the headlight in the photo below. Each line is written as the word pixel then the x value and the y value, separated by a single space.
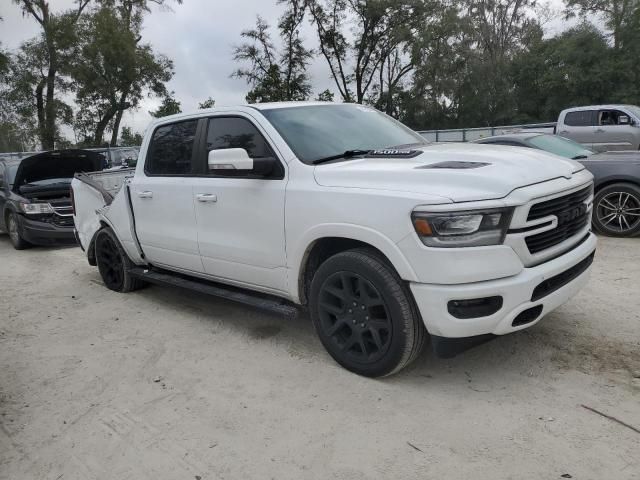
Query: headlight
pixel 36 208
pixel 472 228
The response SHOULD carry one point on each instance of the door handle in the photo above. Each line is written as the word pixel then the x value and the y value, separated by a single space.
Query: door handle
pixel 146 194
pixel 207 197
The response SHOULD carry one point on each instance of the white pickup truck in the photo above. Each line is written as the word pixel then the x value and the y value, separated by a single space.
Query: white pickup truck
pixel 384 238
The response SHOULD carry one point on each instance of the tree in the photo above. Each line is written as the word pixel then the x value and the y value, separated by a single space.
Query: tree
pixel 169 106
pixel 358 37
pixel 208 103
pixel 325 96
pixel 21 94
pixel 113 69
pixel 273 76
pixel 129 138
pixel 614 12
pixel 57 37
pixel 574 68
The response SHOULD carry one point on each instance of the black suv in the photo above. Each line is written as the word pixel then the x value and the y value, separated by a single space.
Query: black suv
pixel 35 203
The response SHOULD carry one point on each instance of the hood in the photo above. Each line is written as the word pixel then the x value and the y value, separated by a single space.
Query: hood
pixel 461 172
pixel 56 164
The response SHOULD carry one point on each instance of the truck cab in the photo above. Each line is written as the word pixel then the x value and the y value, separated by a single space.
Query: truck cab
pixel 602 128
pixel 346 213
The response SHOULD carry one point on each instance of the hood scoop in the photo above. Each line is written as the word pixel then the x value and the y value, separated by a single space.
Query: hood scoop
pixel 455 165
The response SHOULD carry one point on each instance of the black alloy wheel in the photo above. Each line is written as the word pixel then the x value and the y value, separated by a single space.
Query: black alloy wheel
pixel 617 210
pixel 113 263
pixel 364 313
pixel 353 314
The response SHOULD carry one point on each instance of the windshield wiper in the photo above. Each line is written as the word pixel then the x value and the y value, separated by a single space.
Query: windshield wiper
pixel 579 157
pixel 347 154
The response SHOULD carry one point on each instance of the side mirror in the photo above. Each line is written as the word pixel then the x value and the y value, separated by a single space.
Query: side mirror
pixel 624 120
pixel 230 159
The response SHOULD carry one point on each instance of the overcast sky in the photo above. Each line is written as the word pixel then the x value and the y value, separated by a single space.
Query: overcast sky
pixel 198 36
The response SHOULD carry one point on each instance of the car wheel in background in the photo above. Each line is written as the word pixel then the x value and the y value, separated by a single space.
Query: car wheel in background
pixel 13 229
pixel 364 314
pixel 114 264
pixel 616 210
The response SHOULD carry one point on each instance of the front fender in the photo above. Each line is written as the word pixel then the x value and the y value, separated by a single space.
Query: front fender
pixel 297 258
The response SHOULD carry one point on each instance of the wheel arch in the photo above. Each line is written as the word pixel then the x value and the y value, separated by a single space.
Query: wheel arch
pixel 324 243
pixel 635 181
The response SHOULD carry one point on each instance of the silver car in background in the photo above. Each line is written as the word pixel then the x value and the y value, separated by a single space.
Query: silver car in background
pixel 602 128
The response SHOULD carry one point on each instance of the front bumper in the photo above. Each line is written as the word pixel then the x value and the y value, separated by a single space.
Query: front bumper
pixel 517 294
pixel 40 232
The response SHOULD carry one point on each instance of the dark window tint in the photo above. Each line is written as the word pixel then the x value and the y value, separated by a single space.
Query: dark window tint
pixel 612 117
pixel 171 148
pixel 234 132
pixel 579 119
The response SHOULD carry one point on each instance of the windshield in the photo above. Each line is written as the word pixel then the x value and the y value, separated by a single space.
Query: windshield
pixel 318 131
pixel 119 156
pixel 635 110
pixel 560 146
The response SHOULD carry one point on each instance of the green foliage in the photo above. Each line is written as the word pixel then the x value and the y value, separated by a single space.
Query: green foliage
pixel 169 106
pixel 325 96
pixel 129 138
pixel 208 103
pixel 113 70
pixel 53 45
pixel 275 77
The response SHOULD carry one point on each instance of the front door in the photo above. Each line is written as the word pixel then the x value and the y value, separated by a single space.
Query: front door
pixel 613 133
pixel 162 199
pixel 240 215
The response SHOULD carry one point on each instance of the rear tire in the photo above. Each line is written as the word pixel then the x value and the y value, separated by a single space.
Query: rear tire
pixel 113 263
pixel 364 314
pixel 616 210
pixel 13 229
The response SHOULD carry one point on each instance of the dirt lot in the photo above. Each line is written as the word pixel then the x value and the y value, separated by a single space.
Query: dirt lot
pixel 165 384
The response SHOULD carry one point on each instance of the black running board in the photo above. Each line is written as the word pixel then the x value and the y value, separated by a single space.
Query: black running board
pixel 256 300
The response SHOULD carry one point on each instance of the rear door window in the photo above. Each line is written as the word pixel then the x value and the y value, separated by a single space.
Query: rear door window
pixel 171 149
pixel 584 118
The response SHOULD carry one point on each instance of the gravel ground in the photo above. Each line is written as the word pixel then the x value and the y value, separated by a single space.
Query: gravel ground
pixel 166 384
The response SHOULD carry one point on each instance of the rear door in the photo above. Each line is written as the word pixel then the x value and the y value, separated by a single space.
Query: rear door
pixel 579 126
pixel 614 131
pixel 240 215
pixel 162 198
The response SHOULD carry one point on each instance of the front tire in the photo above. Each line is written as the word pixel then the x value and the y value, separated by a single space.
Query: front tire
pixel 114 264
pixel 616 210
pixel 364 314
pixel 13 229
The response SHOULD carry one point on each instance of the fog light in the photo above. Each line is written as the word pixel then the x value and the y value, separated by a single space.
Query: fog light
pixel 474 307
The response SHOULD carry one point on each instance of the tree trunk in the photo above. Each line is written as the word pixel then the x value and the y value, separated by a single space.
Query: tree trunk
pixel 49 136
pixel 116 128
pixel 40 110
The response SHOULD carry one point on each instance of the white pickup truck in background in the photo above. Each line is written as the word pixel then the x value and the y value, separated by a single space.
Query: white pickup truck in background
pixel 339 208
